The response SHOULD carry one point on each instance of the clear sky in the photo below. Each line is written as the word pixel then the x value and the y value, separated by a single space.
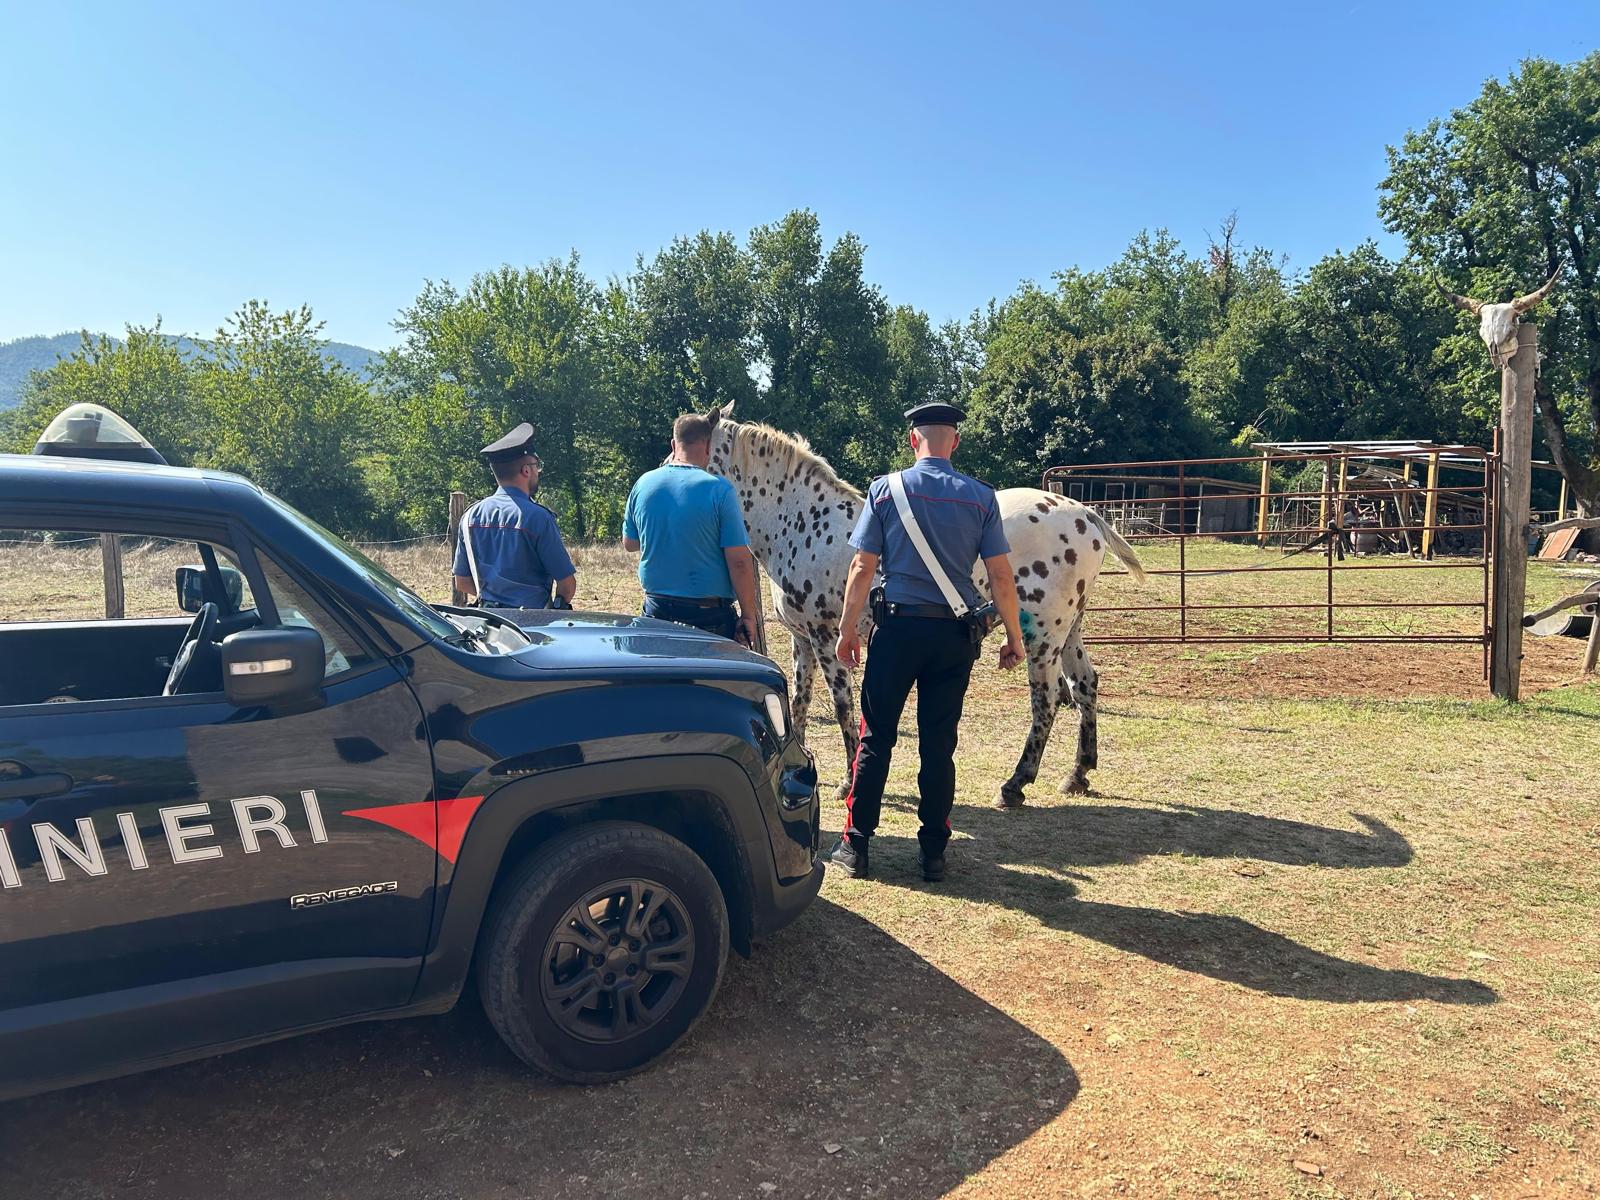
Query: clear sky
pixel 174 160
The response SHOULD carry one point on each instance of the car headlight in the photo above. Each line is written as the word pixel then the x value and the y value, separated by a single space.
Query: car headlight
pixel 775 714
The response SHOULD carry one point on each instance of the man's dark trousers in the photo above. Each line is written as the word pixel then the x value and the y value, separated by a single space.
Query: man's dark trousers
pixel 719 619
pixel 937 656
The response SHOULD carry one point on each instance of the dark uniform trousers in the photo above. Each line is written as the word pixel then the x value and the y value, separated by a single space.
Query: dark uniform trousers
pixel 937 656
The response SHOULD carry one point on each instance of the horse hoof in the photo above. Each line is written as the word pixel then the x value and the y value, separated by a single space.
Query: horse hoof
pixel 1007 800
pixel 1075 787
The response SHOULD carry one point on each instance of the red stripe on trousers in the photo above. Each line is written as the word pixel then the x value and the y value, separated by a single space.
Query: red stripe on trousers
pixel 855 765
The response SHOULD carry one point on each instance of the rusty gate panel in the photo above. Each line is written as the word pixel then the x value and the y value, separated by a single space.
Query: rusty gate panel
pixel 1406 507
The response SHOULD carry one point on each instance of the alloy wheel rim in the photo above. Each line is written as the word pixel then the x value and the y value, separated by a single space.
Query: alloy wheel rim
pixel 618 961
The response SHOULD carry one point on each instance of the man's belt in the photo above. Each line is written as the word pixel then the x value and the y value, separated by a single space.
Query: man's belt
pixel 937 611
pixel 692 601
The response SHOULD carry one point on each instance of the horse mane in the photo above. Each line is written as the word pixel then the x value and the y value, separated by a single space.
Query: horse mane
pixel 791 451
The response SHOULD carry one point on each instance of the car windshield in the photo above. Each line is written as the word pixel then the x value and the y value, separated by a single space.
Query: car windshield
pixel 413 605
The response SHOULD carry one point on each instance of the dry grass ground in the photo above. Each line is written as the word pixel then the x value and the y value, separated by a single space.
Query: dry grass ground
pixel 1329 906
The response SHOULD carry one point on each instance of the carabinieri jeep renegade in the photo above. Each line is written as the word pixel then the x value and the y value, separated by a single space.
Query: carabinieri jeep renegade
pixel 307 798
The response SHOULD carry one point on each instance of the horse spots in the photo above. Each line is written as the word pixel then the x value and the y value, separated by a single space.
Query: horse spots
pixel 1040 570
pixel 1042 507
pixel 1036 595
pixel 1080 587
pixel 1069 554
pixel 1083 526
pixel 1033 518
pixel 1097 543
pixel 1022 572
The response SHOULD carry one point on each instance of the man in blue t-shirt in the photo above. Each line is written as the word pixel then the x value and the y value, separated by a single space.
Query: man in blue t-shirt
pixel 694 553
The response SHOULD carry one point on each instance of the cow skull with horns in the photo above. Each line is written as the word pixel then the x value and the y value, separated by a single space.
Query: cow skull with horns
pixel 1497 323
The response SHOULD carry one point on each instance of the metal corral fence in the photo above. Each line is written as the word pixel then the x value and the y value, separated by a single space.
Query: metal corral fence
pixel 1301 542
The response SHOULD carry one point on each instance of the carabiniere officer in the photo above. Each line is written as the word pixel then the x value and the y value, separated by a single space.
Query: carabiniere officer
pixel 510 553
pixel 917 637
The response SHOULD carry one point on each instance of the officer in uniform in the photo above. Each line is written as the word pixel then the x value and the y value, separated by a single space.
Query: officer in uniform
pixel 918 638
pixel 509 554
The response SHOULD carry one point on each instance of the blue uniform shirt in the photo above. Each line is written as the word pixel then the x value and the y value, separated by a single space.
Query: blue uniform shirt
pixel 517 547
pixel 683 519
pixel 957 514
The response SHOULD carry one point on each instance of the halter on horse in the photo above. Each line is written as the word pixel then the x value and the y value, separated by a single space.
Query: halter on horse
pixel 799 514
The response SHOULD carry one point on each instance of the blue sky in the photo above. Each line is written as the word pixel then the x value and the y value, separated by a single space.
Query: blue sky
pixel 179 160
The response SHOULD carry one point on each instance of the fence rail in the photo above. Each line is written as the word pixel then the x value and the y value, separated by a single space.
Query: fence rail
pixel 1368 506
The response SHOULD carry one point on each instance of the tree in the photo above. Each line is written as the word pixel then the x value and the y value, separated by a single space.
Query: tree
pixel 518 345
pixel 1361 334
pixel 1049 395
pixel 286 414
pixel 1496 196
pixel 819 331
pixel 144 379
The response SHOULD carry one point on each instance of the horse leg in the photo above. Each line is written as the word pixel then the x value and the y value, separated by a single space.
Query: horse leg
pixel 1082 682
pixel 805 677
pixel 1044 684
pixel 844 706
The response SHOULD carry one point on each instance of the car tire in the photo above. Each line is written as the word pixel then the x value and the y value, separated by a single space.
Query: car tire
pixel 590 1000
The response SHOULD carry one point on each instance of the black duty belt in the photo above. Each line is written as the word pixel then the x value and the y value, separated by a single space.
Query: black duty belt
pixel 692 601
pixel 937 611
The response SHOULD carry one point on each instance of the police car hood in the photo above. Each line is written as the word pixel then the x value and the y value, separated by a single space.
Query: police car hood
pixel 564 640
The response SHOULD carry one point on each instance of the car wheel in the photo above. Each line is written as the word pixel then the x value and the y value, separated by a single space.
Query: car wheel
pixel 603 951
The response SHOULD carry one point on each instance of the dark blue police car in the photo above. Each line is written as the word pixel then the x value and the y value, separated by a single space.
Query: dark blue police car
pixel 309 798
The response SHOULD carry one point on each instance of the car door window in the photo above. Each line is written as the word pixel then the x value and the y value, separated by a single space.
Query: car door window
pixel 296 606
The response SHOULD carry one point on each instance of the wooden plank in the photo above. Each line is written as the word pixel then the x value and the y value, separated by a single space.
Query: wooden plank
pixel 1556 545
pixel 1511 515
pixel 1266 490
pixel 458 509
pixel 1430 507
pixel 111 573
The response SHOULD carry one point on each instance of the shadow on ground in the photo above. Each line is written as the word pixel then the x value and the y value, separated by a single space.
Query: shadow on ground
pixel 1223 947
pixel 834 1034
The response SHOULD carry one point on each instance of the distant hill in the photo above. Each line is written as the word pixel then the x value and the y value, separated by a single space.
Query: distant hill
pixel 28 354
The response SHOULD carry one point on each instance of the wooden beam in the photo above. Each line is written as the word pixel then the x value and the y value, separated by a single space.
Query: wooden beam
pixel 1261 503
pixel 1591 655
pixel 458 509
pixel 1569 523
pixel 1561 504
pixel 111 573
pixel 1511 516
pixel 1322 504
pixel 1430 507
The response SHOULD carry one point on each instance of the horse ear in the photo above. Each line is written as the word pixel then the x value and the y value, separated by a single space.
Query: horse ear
pixel 714 416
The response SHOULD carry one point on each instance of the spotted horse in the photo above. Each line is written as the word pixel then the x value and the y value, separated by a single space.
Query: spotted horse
pixel 799 514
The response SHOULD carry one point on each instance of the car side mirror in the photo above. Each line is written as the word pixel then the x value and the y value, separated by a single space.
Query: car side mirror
pixel 191 586
pixel 271 666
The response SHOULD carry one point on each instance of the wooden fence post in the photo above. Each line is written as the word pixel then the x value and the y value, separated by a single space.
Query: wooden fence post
pixel 1591 655
pixel 111 573
pixel 1261 508
pixel 458 509
pixel 1511 516
pixel 1430 506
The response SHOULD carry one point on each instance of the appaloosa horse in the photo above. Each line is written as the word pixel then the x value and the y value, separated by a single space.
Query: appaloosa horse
pixel 799 514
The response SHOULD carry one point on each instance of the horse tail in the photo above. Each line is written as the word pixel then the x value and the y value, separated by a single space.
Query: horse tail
pixel 1119 546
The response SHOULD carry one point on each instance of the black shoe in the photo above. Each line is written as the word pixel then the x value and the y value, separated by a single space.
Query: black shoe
pixel 932 866
pixel 850 856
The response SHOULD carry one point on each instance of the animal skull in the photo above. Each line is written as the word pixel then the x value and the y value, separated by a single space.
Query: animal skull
pixel 1497 323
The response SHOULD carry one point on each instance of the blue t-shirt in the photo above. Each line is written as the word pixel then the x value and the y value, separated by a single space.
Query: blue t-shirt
pixel 517 548
pixel 957 514
pixel 683 519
